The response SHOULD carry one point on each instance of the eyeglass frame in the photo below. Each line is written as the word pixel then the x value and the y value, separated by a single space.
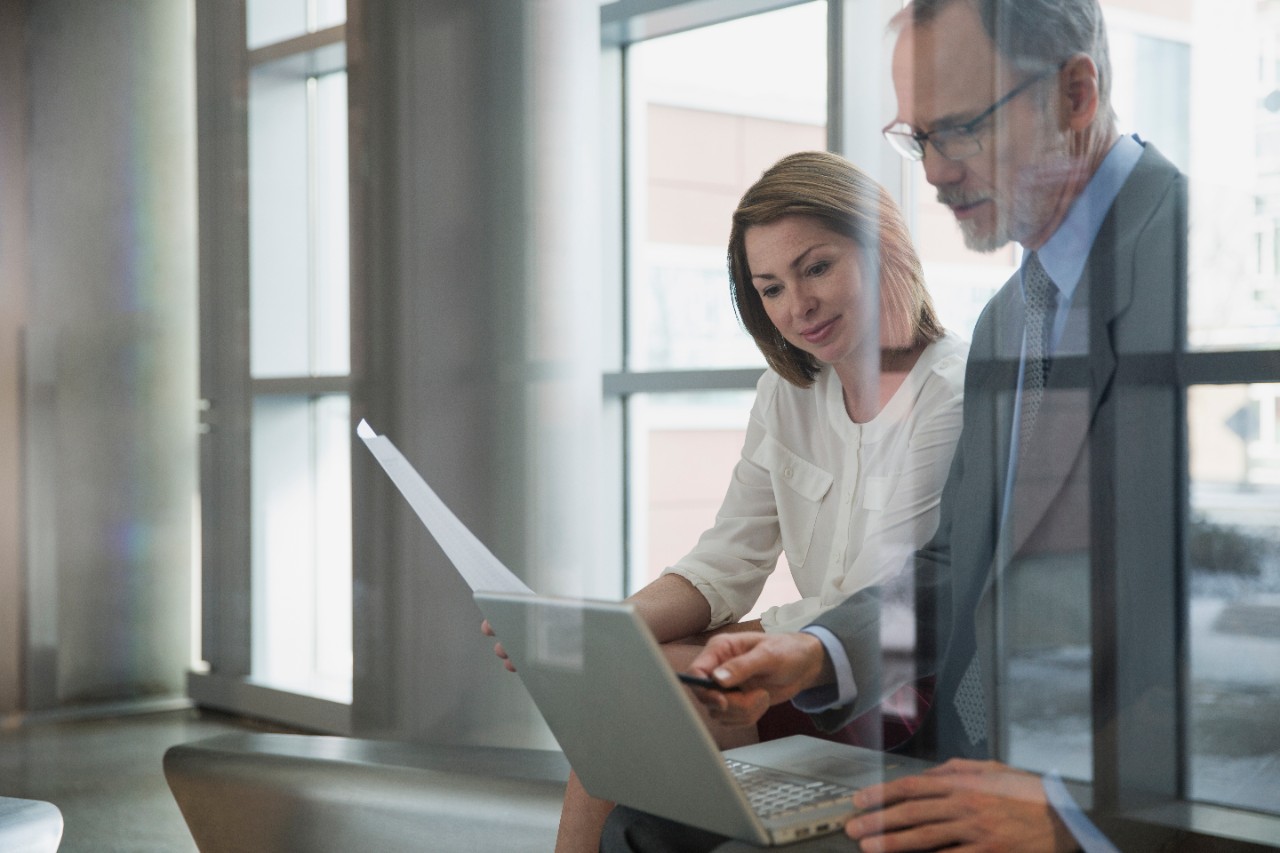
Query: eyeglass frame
pixel 898 138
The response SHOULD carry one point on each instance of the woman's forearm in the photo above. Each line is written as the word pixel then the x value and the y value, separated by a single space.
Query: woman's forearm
pixel 672 608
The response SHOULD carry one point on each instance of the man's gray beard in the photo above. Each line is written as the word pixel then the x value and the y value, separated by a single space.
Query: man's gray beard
pixel 1020 214
pixel 1012 220
pixel 983 242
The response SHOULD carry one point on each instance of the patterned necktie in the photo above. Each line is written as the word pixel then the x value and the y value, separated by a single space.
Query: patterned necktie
pixel 1042 298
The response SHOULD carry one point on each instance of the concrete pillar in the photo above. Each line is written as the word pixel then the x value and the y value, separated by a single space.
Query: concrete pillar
pixel 476 262
pixel 110 352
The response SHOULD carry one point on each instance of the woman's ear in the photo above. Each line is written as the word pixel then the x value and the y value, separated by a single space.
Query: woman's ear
pixel 1079 89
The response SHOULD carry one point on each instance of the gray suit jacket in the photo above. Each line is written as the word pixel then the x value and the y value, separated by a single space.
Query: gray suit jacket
pixel 1125 322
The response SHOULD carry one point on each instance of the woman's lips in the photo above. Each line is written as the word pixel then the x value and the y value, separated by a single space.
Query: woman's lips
pixel 817 334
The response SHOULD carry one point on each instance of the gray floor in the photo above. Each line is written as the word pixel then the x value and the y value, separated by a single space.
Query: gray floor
pixel 106 776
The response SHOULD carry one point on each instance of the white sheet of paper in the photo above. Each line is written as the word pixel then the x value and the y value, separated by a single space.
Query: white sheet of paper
pixel 479 568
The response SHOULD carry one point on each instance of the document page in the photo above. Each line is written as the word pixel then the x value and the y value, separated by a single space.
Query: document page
pixel 482 571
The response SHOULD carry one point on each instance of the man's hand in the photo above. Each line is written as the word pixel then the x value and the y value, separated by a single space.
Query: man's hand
pixel 768 669
pixel 487 630
pixel 971 805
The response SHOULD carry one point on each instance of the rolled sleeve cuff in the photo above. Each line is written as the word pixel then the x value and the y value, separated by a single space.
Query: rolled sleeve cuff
pixel 1088 836
pixel 721 612
pixel 827 696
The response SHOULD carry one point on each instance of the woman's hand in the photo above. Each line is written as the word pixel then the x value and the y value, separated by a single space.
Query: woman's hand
pixel 487 630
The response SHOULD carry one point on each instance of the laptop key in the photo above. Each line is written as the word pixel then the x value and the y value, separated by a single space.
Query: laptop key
pixel 774 793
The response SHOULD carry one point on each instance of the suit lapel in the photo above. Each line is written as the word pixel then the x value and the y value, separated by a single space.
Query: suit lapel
pixel 1085 363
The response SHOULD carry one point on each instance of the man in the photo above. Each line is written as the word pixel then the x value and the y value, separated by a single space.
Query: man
pixel 1006 102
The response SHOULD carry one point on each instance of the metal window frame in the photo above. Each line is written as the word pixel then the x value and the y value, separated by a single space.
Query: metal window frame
pixel 223 67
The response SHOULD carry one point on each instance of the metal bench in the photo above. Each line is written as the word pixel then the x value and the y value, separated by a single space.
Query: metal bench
pixel 274 792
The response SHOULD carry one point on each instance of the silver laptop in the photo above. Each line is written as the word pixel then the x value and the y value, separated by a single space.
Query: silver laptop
pixel 627 726
pixel 631 731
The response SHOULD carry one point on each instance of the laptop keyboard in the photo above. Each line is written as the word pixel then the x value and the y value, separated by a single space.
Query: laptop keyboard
pixel 774 793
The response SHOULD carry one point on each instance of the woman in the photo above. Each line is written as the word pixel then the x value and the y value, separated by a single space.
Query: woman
pixel 852 430
pixel 855 422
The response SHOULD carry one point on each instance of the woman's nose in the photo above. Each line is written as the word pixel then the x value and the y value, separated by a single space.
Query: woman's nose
pixel 804 301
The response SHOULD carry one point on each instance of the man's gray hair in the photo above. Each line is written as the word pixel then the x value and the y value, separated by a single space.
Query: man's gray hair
pixel 1035 35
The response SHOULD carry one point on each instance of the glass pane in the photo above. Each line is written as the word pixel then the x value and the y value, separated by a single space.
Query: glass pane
pixel 329 13
pixel 270 21
pixel 331 354
pixel 301 522
pixel 278 229
pixel 298 213
pixel 683 448
pixel 1233 550
pixel 1047 687
pixel 707 116
pixel 1176 60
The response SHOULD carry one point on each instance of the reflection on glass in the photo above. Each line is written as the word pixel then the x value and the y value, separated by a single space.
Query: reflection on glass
pixel 1046 692
pixel 301 549
pixel 299 314
pixel 707 116
pixel 1233 552
pixel 1178 60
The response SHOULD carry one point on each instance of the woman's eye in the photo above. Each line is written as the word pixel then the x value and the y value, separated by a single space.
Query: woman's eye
pixel 771 291
pixel 819 268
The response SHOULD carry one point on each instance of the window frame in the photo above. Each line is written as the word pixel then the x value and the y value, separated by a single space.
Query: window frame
pixel 224 64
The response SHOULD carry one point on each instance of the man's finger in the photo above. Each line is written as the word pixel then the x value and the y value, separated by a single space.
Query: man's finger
pixel 721 648
pixel 741 709
pixel 900 790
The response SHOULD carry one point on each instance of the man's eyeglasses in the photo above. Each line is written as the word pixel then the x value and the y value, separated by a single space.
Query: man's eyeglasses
pixel 961 141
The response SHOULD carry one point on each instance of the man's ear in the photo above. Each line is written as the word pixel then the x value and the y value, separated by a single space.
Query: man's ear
pixel 1078 80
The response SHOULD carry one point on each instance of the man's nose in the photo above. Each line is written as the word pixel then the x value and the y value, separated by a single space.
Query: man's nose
pixel 938 170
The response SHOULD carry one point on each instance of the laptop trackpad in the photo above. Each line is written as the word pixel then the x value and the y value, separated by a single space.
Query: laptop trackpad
pixel 829 761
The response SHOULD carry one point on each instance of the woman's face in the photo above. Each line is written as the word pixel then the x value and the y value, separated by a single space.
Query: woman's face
pixel 811 283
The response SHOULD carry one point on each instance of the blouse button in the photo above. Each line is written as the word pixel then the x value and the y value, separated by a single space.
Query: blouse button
pixel 786 472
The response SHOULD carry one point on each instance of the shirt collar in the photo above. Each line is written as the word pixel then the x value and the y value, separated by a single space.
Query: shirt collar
pixel 1064 254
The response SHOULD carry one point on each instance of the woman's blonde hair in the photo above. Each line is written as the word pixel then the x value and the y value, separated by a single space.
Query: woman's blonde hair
pixel 832 190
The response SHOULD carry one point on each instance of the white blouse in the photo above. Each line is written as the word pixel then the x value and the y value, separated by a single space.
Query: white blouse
pixel 848 503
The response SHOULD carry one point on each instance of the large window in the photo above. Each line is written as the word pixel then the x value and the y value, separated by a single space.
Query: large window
pixel 1182 73
pixel 275 361
pixel 299 354
pixel 705 116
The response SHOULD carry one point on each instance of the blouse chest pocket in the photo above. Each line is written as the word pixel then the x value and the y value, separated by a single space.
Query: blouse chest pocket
pixel 798 488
